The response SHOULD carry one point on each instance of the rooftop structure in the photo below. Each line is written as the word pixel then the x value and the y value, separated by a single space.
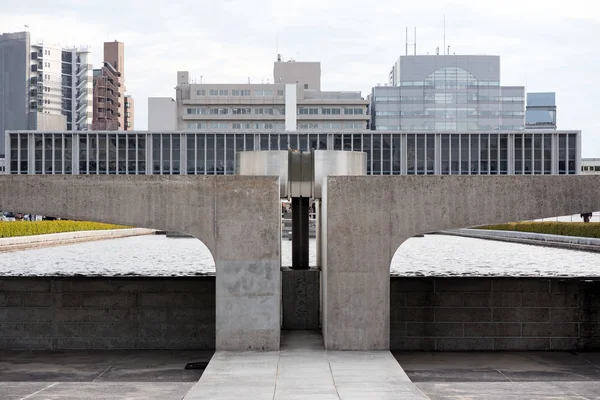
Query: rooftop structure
pixel 541 111
pixel 447 93
pixel 293 102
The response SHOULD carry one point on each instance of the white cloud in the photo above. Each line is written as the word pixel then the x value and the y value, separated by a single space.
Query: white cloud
pixel 546 44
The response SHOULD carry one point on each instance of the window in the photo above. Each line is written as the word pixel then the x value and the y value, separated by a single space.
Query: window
pixel 262 93
pixel 330 125
pixel 197 111
pixel 306 86
pixel 280 92
pixel 308 111
pixel 240 92
pixel 263 125
pixel 218 111
pixel 201 92
pixel 308 125
pixel 353 111
pixel 330 111
pixel 354 125
pixel 218 125
pixel 262 111
pixel 241 111
pixel 241 125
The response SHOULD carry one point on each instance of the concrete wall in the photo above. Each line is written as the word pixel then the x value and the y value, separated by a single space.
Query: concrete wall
pixel 237 217
pixel 162 114
pixel 107 313
pixel 494 314
pixel 427 314
pixel 366 219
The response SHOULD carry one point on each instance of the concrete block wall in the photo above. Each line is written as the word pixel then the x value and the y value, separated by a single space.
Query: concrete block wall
pixel 494 314
pixel 107 313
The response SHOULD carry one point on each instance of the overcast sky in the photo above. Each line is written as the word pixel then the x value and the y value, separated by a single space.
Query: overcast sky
pixel 545 45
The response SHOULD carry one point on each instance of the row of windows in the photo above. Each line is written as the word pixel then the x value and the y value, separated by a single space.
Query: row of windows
pixel 239 92
pixel 590 168
pixel 212 153
pixel 422 125
pixel 236 111
pixel 448 98
pixel 447 79
pixel 272 111
pixel 330 111
pixel 451 113
pixel 275 125
pixel 331 125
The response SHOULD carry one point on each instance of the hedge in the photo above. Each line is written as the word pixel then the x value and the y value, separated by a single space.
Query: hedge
pixel 582 229
pixel 26 228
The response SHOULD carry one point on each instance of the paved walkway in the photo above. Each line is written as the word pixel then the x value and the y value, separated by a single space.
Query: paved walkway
pixel 147 374
pixel 303 369
pixel 504 375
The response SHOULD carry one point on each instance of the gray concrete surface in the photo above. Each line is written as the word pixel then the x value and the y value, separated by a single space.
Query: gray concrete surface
pixel 536 239
pixel 366 219
pixel 303 369
pixel 56 239
pixel 237 217
pixel 98 374
pixel 522 375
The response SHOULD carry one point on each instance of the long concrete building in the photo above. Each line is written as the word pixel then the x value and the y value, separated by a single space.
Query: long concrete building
pixel 294 101
pixel 213 152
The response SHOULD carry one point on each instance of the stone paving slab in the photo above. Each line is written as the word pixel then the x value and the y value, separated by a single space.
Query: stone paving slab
pixel 510 390
pixel 112 391
pixel 303 369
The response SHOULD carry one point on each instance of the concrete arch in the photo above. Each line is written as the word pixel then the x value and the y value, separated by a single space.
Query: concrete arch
pixel 368 218
pixel 236 217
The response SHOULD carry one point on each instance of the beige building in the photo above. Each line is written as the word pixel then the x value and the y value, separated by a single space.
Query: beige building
pixel 110 102
pixel 294 102
pixel 590 166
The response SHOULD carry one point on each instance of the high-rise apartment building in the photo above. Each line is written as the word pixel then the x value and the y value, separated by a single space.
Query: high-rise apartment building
pixel 109 91
pixel 293 102
pixel 63 83
pixel 106 99
pixel 540 111
pixel 447 93
pixel 43 87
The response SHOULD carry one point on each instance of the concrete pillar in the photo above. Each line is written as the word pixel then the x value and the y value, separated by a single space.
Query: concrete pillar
pixel 248 264
pixel 237 217
pixel 366 219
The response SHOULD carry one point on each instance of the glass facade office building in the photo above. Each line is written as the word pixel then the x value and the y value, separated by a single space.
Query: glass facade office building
pixel 447 93
pixel 213 153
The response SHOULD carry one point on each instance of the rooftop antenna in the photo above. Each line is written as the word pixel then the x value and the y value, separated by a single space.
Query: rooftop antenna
pixel 414 44
pixel 444 32
pixel 415 40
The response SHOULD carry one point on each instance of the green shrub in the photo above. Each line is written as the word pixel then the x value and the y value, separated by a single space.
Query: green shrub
pixel 26 228
pixel 591 229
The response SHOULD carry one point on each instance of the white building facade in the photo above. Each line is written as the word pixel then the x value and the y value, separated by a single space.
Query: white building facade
pixel 61 84
pixel 294 102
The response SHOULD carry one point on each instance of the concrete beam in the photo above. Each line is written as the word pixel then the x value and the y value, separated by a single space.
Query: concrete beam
pixel 366 219
pixel 236 217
